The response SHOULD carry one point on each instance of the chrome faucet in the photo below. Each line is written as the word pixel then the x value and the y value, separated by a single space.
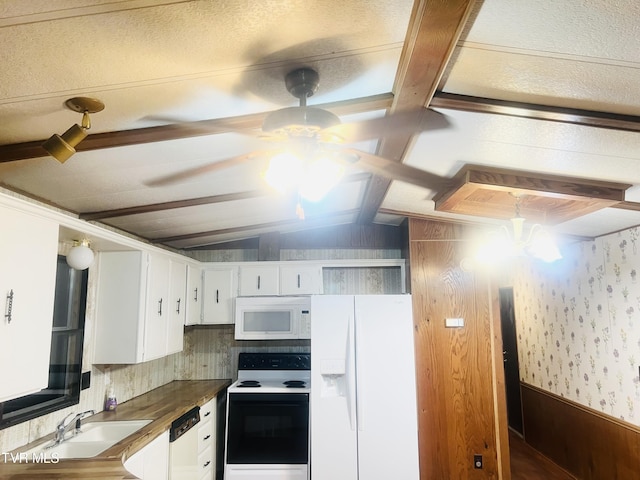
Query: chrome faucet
pixel 66 425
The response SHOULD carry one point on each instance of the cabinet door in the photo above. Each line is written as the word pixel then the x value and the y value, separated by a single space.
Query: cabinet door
pixel 158 306
pixel 152 461
pixel 28 252
pixel 177 307
pixel 300 280
pixel 194 295
pixel 259 280
pixel 120 307
pixel 219 286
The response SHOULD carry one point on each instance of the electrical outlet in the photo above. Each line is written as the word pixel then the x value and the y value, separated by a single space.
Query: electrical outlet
pixel 477 461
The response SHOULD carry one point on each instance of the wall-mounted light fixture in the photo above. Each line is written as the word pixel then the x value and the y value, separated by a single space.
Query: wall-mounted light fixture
pixel 80 256
pixel 538 243
pixel 61 147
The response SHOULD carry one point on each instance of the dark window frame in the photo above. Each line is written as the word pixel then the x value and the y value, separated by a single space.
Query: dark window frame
pixel 67 332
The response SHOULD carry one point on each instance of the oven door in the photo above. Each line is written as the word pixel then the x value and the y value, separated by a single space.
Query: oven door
pixel 268 428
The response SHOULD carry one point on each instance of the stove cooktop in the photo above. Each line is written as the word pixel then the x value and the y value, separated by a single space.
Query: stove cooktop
pixel 273 373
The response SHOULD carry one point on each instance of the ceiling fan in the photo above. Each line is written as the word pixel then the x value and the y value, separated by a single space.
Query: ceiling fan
pixel 314 142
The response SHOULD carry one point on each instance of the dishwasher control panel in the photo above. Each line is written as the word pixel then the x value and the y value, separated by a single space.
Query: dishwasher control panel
pixel 181 425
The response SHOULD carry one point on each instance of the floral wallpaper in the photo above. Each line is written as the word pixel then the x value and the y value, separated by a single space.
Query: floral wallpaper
pixel 578 324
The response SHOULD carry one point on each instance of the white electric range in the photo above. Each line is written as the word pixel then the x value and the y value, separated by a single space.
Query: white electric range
pixel 268 417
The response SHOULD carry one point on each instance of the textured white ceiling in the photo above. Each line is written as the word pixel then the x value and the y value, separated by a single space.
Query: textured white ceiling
pixel 165 61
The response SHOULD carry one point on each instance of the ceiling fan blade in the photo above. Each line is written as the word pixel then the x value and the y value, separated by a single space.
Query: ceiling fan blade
pixel 211 167
pixel 402 122
pixel 399 171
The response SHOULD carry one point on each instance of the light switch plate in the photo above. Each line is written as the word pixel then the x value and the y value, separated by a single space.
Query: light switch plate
pixel 454 322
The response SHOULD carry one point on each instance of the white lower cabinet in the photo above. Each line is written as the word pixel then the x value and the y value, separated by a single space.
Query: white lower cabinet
pixel 152 461
pixel 192 456
pixel 28 253
pixel 207 441
pixel 134 308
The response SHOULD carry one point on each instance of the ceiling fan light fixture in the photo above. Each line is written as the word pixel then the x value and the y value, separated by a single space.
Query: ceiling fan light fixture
pixel 284 171
pixel 321 176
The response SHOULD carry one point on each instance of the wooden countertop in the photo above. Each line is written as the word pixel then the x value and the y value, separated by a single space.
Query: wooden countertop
pixel 162 405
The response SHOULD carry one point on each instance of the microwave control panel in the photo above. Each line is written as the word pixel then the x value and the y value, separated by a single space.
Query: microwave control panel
pixel 305 325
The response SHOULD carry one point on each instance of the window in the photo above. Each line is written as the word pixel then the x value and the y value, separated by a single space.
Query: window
pixel 65 362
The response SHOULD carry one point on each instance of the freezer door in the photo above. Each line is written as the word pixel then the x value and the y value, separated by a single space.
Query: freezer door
pixel 386 386
pixel 333 402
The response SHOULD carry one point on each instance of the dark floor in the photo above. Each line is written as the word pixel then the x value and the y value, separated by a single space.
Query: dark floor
pixel 529 464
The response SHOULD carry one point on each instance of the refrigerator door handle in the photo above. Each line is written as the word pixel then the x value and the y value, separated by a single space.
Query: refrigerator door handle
pixel 360 367
pixel 351 380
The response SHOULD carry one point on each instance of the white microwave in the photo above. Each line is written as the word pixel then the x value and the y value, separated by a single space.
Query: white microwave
pixel 273 318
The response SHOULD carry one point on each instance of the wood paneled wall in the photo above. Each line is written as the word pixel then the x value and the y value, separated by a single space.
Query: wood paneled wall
pixel 587 444
pixel 461 397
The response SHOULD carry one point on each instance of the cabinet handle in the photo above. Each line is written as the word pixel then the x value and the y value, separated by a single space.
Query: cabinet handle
pixel 208 413
pixel 258 282
pixel 207 437
pixel 206 464
pixel 178 309
pixel 9 307
pixel 160 307
pixel 298 280
pixel 195 297
pixel 217 296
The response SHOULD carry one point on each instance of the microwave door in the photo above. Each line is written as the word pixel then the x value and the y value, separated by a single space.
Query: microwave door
pixel 273 324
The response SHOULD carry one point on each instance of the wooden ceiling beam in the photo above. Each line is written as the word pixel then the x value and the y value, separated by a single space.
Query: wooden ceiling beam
pixel 309 222
pixel 433 32
pixel 194 202
pixel 96 141
pixel 574 116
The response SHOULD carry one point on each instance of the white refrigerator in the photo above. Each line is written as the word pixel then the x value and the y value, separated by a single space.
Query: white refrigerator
pixel 363 410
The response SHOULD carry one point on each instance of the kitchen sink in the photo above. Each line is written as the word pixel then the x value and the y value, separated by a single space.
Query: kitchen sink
pixel 93 439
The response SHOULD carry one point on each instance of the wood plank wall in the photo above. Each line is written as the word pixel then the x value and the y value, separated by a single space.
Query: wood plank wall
pixel 584 442
pixel 461 399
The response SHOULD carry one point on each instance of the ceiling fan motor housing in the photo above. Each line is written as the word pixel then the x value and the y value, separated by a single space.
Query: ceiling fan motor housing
pixel 302 82
pixel 301 121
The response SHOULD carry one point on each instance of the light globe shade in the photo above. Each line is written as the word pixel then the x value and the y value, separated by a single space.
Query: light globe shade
pixel 80 257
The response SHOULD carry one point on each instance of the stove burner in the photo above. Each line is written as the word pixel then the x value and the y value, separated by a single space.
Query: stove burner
pixel 249 383
pixel 294 383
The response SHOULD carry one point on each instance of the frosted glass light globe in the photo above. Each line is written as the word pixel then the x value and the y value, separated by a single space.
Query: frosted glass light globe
pixel 80 257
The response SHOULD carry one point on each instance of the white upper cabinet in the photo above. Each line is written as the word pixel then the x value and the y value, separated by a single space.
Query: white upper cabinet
pixel 159 306
pixel 300 279
pixel 259 280
pixel 220 287
pixel 28 253
pixel 134 307
pixel 194 295
pixel 177 307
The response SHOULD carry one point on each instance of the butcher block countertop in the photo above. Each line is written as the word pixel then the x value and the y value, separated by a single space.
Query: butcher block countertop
pixel 162 406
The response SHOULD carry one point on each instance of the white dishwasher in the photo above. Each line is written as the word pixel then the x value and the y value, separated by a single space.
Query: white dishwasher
pixel 183 446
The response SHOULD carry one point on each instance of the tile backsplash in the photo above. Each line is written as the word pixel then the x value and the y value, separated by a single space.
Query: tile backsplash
pixel 578 325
